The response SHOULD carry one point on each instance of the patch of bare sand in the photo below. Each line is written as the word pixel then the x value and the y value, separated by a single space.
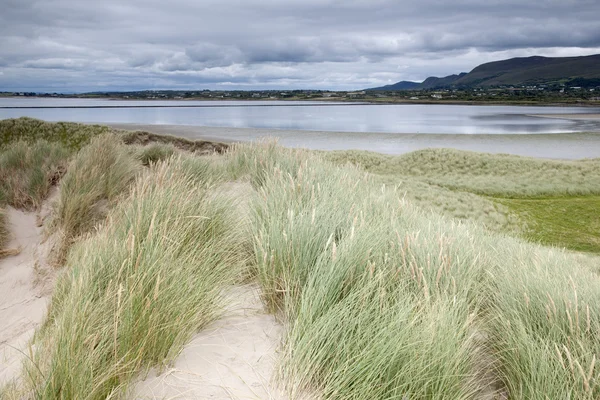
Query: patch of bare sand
pixel 25 285
pixel 232 359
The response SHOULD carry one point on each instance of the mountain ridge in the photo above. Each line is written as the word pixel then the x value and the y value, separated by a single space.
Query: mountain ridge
pixel 518 71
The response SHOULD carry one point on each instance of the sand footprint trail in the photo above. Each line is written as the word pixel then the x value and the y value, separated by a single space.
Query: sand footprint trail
pixel 234 358
pixel 23 302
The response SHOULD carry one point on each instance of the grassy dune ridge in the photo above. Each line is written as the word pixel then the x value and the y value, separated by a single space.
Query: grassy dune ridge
pixel 329 255
pixel 498 175
pixel 552 202
pixel 69 134
pixel 135 291
pixel 383 293
pixel 28 172
pixel 99 173
pixel 328 245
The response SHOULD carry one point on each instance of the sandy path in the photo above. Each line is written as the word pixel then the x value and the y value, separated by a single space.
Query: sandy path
pixel 234 358
pixel 23 302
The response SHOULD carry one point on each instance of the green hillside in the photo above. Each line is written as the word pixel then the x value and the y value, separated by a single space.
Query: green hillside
pixel 571 71
pixel 531 70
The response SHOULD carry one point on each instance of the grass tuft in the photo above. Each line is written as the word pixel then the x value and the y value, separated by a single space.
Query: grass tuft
pixel 155 152
pixel 136 290
pixel 27 172
pixel 99 173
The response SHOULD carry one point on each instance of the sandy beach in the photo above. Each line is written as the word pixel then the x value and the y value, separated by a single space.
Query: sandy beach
pixel 544 145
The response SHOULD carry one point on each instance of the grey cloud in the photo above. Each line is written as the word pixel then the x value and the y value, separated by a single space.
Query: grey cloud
pixel 294 43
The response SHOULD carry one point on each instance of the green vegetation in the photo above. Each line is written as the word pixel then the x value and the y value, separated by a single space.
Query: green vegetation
pixel 499 175
pixel 328 254
pixel 137 289
pixel 382 290
pixel 155 152
pixel 153 140
pixel 571 222
pixel 99 173
pixel 4 232
pixel 461 205
pixel 27 172
pixel 520 71
pixel 548 201
pixel 384 301
pixel 571 71
pixel 69 134
pixel 74 136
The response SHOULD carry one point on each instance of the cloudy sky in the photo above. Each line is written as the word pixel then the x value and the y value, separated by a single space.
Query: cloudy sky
pixel 87 45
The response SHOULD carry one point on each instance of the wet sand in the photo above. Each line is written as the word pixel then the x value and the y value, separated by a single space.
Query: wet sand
pixel 559 146
pixel 578 117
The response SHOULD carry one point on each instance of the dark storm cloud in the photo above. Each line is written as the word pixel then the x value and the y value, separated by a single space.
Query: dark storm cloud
pixel 334 44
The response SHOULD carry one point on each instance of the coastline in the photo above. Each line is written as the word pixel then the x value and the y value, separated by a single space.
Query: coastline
pixel 343 101
pixel 542 145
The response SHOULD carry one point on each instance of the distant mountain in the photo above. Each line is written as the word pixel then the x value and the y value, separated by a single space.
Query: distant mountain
pixel 402 85
pixel 576 71
pixel 432 82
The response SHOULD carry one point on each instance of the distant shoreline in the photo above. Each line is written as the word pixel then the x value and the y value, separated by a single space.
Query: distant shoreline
pixel 322 100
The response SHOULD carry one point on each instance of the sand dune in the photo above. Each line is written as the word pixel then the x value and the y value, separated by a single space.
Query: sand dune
pixel 25 286
pixel 232 359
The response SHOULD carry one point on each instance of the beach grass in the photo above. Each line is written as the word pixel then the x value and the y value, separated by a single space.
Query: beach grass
pixel 387 285
pixel 552 202
pixel 136 290
pixel 155 152
pixel 362 279
pixel 97 175
pixel 69 134
pixel 4 232
pixel 499 175
pixel 27 172
pixel 460 205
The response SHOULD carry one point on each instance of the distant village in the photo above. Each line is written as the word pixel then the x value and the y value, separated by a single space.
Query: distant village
pixel 538 93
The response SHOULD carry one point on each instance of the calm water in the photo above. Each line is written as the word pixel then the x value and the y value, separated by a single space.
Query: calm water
pixel 401 118
pixel 392 129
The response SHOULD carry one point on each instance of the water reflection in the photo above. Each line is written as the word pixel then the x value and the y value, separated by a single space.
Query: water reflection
pixel 406 118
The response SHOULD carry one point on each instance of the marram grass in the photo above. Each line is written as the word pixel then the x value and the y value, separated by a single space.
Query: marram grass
pixel 4 232
pixel 27 172
pixel 155 152
pixel 70 135
pixel 553 202
pixel 384 301
pixel 96 176
pixel 134 292
pixel 494 175
pixel 380 297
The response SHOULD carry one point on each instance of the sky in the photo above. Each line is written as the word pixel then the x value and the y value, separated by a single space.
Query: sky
pixel 102 45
